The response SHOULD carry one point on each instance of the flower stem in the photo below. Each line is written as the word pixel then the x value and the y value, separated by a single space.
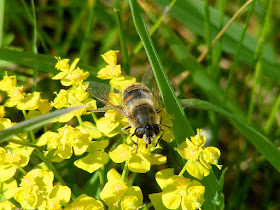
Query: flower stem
pixel 101 173
pixel 32 136
pixel 125 171
pixel 80 120
pixel 183 170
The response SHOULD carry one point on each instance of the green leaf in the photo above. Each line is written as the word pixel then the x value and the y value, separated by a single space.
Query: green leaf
pixel 262 143
pixel 41 62
pixel 35 123
pixel 191 14
pixel 181 125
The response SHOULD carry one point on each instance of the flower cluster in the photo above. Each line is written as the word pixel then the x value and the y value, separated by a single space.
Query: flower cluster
pixel 119 194
pixel 199 158
pixel 21 100
pixel 177 192
pixel 89 146
pixel 73 76
pixel 36 190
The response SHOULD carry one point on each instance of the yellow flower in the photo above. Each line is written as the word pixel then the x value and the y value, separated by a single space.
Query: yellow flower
pixel 66 139
pixel 85 202
pixel 121 82
pixel 62 65
pixel 70 75
pixel 30 102
pixel 8 83
pixel 13 156
pixel 16 95
pixel 178 191
pixel 199 158
pixel 108 124
pixel 120 194
pixel 110 57
pixel 61 99
pixel 37 191
pixel 8 189
pixel 139 161
pixel 95 159
pixel 112 69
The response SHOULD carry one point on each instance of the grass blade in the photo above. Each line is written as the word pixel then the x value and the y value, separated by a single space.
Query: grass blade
pixel 41 62
pixel 181 125
pixel 262 143
pixel 34 123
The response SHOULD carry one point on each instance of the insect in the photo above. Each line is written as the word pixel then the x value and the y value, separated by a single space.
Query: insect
pixel 138 102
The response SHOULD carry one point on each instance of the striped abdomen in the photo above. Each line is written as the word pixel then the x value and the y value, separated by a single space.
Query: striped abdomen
pixel 138 101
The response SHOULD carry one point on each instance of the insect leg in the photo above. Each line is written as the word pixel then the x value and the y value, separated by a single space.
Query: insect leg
pixel 134 141
pixel 159 138
pixel 124 130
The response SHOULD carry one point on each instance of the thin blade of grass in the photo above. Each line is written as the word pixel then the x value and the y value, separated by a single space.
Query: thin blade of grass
pixel 181 125
pixel 33 123
pixel 262 143
pixel 41 62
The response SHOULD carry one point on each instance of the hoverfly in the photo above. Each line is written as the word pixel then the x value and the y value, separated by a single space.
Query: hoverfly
pixel 138 102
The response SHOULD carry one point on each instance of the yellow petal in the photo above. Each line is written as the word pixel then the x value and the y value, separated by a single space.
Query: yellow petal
pixel 92 161
pixel 121 153
pixel 162 177
pixel 62 193
pixel 111 57
pixel 109 72
pixel 197 170
pixel 138 164
pixel 8 83
pixel 171 200
pixel 30 102
pixel 9 188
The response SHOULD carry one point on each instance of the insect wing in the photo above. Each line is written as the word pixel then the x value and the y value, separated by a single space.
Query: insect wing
pixel 149 81
pixel 107 95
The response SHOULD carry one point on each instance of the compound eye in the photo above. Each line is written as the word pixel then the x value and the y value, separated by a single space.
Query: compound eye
pixel 139 132
pixel 156 128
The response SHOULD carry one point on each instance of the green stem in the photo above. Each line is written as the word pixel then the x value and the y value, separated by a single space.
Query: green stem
pixel 183 170
pixel 133 177
pixel 101 173
pixel 80 120
pixel 34 45
pixel 153 29
pixel 32 136
pixel 125 171
pixel 88 30
pixel 207 28
pixel 272 116
pixel 94 117
pixel 258 58
pixel 21 170
pixel 122 40
pixel 2 13
pixel 237 51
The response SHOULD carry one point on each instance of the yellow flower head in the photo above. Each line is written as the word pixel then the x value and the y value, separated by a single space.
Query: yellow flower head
pixel 85 202
pixel 178 191
pixel 62 65
pixel 8 83
pixel 199 158
pixel 117 193
pixel 112 69
pixel 95 158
